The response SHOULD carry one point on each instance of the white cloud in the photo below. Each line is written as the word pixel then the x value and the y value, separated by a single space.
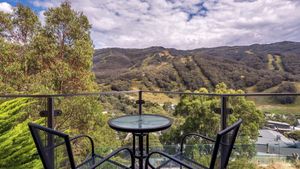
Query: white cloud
pixel 42 16
pixel 178 23
pixel 46 3
pixel 6 7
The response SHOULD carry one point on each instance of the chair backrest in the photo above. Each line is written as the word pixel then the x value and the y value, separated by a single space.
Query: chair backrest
pixel 53 147
pixel 224 145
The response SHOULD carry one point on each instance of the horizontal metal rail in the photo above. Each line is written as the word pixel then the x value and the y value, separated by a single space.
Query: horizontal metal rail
pixel 224 94
pixel 65 95
pixel 143 91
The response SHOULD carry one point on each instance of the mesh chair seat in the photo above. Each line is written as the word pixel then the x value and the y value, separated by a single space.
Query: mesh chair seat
pixel 168 163
pixel 91 161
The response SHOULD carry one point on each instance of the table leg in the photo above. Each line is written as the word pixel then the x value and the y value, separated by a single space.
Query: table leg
pixel 133 149
pixel 133 144
pixel 141 147
pixel 141 155
pixel 147 144
pixel 147 147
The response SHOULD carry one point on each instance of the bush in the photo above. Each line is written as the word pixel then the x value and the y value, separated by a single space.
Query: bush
pixel 120 86
pixel 242 163
pixel 294 135
pixel 297 164
pixel 286 88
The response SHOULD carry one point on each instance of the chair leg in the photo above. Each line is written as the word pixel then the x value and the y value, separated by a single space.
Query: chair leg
pixel 147 165
pixel 93 159
pixel 133 162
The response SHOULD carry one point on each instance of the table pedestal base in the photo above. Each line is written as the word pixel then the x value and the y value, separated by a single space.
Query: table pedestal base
pixel 139 152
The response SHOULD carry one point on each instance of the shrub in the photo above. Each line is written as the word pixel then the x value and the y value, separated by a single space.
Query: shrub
pixel 294 135
pixel 286 88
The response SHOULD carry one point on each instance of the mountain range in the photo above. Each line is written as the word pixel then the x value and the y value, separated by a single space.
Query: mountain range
pixel 258 66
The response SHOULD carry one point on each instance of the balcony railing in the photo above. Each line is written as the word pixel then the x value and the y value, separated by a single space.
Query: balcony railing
pixel 50 111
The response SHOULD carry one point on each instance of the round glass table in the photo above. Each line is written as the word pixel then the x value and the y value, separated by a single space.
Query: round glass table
pixel 140 126
pixel 140 123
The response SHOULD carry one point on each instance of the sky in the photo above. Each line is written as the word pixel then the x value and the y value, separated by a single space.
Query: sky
pixel 181 24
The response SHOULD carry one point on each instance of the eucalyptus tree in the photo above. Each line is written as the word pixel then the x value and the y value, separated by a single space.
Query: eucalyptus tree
pixel 53 58
pixel 16 32
pixel 197 114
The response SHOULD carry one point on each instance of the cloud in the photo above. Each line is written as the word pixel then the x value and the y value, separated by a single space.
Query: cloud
pixel 6 7
pixel 42 16
pixel 188 24
pixel 46 3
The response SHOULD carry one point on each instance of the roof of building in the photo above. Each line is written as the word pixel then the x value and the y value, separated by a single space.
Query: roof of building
pixel 278 122
pixel 271 137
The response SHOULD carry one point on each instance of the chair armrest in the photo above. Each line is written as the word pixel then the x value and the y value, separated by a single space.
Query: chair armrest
pixel 86 136
pixel 194 134
pixel 168 156
pixel 115 152
pixel 72 139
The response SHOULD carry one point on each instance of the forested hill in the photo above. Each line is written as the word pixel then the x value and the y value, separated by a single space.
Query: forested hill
pixel 257 66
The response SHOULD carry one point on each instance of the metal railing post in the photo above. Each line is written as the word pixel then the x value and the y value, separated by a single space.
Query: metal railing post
pixel 50 123
pixel 140 102
pixel 224 116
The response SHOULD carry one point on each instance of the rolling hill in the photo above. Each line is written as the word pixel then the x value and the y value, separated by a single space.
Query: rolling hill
pixel 258 66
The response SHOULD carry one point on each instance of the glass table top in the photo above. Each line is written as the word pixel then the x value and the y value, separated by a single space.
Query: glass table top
pixel 140 122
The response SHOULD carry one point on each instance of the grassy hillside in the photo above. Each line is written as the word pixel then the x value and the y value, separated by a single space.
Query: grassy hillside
pixel 268 104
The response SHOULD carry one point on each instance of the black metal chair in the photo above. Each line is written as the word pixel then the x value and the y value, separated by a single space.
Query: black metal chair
pixel 219 157
pixel 60 149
